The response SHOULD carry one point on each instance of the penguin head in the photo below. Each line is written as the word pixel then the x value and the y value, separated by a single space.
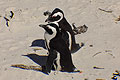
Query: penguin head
pixel 56 16
pixel 50 28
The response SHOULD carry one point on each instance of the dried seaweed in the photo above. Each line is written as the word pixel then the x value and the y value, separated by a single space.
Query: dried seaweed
pixel 100 79
pixel 96 54
pixel 118 19
pixel 7 21
pixel 97 67
pixel 22 66
pixel 80 29
pixel 12 14
pixel 8 18
pixel 108 11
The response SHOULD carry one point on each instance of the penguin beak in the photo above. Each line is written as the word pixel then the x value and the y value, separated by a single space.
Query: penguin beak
pixel 42 25
pixel 48 19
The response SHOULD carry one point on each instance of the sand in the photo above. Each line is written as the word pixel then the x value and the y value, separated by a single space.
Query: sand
pixel 102 40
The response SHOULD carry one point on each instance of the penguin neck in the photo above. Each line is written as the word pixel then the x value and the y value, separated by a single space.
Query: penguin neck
pixel 63 23
pixel 57 37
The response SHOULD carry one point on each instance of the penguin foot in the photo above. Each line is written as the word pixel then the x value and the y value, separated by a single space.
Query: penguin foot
pixel 77 71
pixel 80 29
pixel 44 70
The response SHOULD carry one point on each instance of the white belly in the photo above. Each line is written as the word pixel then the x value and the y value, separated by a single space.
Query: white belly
pixel 48 37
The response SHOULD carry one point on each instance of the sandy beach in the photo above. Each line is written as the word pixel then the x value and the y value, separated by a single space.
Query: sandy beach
pixel 97 59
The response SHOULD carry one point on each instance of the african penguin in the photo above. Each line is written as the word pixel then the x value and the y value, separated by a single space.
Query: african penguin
pixel 56 45
pixel 58 16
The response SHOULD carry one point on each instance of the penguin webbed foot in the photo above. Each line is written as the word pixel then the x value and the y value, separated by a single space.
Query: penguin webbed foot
pixel 47 13
pixel 76 71
pixel 45 71
pixel 80 29
pixel 72 71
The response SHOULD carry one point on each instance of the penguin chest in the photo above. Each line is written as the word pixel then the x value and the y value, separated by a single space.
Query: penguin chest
pixel 48 38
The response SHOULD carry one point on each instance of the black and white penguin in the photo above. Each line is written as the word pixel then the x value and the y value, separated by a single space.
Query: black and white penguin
pixel 58 16
pixel 56 45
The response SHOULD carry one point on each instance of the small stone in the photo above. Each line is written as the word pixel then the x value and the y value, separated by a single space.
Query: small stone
pixel 91 45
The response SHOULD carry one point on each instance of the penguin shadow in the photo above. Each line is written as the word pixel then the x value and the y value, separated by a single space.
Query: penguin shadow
pixel 38 43
pixel 38 59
